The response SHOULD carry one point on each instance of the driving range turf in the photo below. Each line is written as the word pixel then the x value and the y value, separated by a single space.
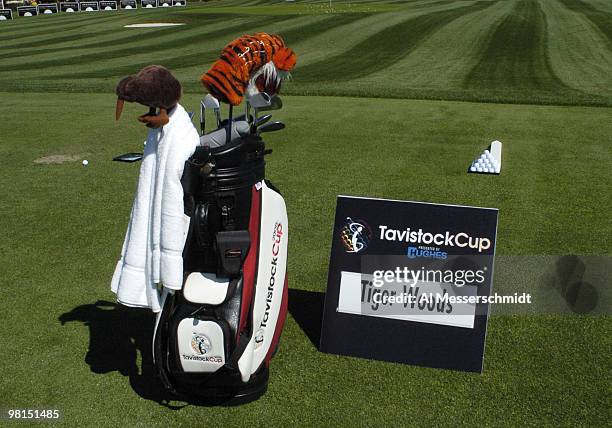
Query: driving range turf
pixel 389 99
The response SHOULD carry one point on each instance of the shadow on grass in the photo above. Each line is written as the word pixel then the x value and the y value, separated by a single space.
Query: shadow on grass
pixel 306 307
pixel 568 279
pixel 117 334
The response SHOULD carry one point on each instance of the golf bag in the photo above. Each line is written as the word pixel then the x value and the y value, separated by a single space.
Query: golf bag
pixel 214 339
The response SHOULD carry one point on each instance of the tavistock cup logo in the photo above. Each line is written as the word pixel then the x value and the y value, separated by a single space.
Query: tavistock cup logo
pixel 355 235
pixel 200 344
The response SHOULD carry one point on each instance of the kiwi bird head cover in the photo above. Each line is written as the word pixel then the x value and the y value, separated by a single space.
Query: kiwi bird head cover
pixel 155 87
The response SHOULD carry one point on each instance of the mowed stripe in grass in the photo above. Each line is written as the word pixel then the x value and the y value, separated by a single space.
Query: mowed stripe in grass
pixel 293 32
pixel 117 38
pixel 103 39
pixel 299 34
pixel 515 58
pixel 601 19
pixel 43 25
pixel 205 57
pixel 578 52
pixel 53 27
pixel 444 59
pixel 203 48
pixel 384 48
pixel 604 5
pixel 336 41
pixel 156 44
pixel 423 49
pixel 45 39
pixel 50 32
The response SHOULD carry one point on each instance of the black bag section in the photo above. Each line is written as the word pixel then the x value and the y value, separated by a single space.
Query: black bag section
pixel 217 184
pixel 232 247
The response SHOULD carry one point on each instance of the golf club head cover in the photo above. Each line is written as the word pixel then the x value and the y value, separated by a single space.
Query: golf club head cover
pixel 214 339
pixel 253 63
pixel 155 87
pixel 218 137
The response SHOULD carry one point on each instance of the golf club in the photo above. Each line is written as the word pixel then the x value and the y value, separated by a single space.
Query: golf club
pixel 242 117
pixel 202 118
pixel 263 119
pixel 270 127
pixel 229 126
pixel 257 101
pixel 213 103
pixel 275 103
pixel 259 121
pixel 128 157
pixel 218 137
pixel 247 110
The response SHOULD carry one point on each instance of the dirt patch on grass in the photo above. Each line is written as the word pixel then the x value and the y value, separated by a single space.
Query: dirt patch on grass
pixel 57 159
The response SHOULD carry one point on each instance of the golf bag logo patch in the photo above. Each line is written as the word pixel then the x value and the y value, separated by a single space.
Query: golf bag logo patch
pixel 355 235
pixel 200 344
pixel 277 237
pixel 259 338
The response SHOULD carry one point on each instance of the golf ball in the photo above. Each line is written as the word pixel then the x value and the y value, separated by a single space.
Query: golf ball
pixel 473 169
pixel 85 162
pixel 479 169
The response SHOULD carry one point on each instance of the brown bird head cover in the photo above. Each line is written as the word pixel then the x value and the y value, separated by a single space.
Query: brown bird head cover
pixel 153 86
pixel 248 65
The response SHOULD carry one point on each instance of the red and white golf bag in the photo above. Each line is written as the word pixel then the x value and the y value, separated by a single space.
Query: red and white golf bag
pixel 214 339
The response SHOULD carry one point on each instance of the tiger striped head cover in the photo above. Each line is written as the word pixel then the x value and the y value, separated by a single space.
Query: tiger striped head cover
pixel 248 65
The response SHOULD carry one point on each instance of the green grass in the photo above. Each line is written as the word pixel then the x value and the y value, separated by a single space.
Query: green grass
pixel 62 225
pixel 511 51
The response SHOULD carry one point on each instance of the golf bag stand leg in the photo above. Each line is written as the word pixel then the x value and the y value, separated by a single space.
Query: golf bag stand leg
pixel 214 339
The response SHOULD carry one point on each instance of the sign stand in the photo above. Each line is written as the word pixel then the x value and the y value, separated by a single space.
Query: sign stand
pixel 5 14
pixel 69 6
pixel 129 4
pixel 108 5
pixel 27 10
pixel 47 8
pixel 408 282
pixel 89 6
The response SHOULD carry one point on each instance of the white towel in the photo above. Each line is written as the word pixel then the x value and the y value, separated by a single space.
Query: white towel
pixel 152 250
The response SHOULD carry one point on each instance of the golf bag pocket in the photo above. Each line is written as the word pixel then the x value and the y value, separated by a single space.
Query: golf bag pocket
pixel 232 248
pixel 201 345
pixel 205 288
